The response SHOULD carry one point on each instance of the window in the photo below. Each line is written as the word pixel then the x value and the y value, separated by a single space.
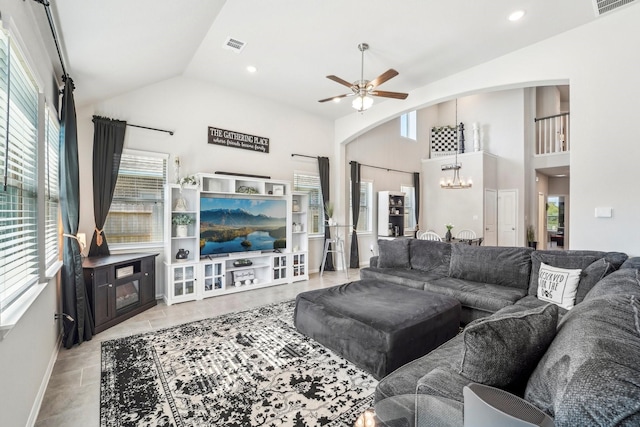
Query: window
pixel 311 185
pixel 408 127
pixel 18 167
pixel 52 146
pixel 409 211
pixel 365 216
pixel 136 216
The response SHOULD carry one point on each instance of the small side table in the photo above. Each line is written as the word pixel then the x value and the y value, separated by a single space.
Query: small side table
pixel 338 243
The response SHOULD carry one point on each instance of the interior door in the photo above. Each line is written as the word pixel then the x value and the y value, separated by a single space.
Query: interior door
pixel 490 235
pixel 507 217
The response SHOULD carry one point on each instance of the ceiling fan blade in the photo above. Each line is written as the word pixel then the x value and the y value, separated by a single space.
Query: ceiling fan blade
pixel 336 97
pixel 339 80
pixel 389 74
pixel 384 93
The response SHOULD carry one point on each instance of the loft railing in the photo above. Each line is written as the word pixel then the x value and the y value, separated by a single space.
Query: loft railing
pixel 552 134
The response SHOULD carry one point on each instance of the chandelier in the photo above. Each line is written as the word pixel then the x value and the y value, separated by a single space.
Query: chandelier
pixel 456 183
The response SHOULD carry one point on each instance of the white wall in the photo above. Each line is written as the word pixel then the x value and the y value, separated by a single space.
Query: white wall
pixel 595 60
pixel 28 352
pixel 188 107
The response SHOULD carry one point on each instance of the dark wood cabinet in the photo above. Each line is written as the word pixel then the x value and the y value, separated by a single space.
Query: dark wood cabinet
pixel 119 287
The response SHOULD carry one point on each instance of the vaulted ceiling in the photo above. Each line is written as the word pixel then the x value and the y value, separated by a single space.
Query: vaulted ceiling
pixel 115 46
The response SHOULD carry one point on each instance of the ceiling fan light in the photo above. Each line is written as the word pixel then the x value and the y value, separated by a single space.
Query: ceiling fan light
pixel 362 103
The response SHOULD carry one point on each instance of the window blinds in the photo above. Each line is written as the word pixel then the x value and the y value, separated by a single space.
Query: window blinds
pixel 137 210
pixel 18 166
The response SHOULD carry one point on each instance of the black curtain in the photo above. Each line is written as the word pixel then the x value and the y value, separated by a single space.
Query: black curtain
pixel 323 167
pixel 108 141
pixel 416 208
pixel 354 259
pixel 74 297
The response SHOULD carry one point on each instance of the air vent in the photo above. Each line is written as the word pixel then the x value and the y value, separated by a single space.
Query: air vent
pixel 604 6
pixel 234 44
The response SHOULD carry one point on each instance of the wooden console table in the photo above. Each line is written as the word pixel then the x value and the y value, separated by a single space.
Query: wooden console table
pixel 119 287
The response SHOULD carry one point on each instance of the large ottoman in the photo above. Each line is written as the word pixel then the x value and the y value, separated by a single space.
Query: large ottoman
pixel 376 325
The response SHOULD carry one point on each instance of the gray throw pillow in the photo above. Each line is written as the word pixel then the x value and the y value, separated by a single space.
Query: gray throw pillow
pixel 393 253
pixel 591 275
pixel 503 350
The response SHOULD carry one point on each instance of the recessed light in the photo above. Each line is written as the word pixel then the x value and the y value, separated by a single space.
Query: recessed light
pixel 517 15
pixel 251 69
pixel 336 100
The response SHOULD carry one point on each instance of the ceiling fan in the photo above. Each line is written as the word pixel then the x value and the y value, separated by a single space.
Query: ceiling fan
pixel 365 89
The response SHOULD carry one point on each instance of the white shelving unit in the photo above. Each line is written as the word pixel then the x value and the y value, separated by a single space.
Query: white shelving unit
pixel 299 262
pixel 202 277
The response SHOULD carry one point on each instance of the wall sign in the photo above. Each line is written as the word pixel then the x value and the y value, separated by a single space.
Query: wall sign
pixel 229 138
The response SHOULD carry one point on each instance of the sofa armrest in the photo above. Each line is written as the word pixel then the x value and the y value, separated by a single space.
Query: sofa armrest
pixel 373 261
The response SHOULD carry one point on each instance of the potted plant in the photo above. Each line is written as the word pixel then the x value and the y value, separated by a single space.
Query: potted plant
pixel 188 181
pixel 181 222
pixel 328 208
pixel 531 237
pixel 448 235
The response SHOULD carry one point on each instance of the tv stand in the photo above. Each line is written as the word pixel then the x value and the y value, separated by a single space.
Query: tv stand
pixel 211 275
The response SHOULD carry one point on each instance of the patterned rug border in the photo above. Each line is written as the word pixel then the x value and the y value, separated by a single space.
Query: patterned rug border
pixel 170 398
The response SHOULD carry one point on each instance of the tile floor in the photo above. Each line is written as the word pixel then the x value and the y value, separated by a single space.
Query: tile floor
pixel 73 393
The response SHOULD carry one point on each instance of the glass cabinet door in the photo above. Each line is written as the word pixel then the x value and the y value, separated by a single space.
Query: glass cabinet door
pixel 184 281
pixel 212 277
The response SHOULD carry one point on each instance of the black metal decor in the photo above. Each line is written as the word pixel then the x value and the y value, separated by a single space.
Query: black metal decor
pixel 461 140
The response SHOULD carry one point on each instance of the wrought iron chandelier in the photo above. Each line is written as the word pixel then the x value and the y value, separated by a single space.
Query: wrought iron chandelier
pixel 456 183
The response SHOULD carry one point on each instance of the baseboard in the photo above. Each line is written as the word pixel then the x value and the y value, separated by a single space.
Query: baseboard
pixel 35 409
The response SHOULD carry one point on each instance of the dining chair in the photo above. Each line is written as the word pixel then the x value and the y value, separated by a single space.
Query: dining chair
pixel 466 234
pixel 429 235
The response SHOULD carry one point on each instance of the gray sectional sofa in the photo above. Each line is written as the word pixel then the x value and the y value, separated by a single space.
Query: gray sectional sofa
pixel 580 365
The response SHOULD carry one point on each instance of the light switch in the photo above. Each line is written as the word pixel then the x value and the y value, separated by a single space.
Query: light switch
pixel 603 212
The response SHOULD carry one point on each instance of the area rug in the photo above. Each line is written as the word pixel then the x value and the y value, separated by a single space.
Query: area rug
pixel 251 368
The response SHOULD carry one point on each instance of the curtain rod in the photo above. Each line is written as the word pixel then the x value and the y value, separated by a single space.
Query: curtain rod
pixel 378 167
pixel 304 155
pixel 170 132
pixel 46 6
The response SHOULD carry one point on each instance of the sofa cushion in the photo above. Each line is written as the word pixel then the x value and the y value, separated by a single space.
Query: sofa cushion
pixel 479 264
pixel 625 281
pixel 633 262
pixel 444 382
pixel 430 255
pixel 575 259
pixel 502 349
pixel 601 393
pixel 558 285
pixel 399 276
pixel 602 328
pixel 483 296
pixel 561 260
pixel 406 379
pixel 393 253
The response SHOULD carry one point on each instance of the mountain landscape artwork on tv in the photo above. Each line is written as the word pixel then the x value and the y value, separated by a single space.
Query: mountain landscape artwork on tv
pixel 230 225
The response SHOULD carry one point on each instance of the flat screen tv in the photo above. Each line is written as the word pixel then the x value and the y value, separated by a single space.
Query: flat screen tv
pixel 237 224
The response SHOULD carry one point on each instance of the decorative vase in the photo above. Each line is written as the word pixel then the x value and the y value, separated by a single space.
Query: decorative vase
pixel 476 137
pixel 182 230
pixel 182 255
pixel 448 236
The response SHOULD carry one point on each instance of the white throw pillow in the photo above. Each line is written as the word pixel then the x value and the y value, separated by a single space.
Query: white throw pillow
pixel 558 285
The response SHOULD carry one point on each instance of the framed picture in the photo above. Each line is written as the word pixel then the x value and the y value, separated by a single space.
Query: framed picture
pixel 278 190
